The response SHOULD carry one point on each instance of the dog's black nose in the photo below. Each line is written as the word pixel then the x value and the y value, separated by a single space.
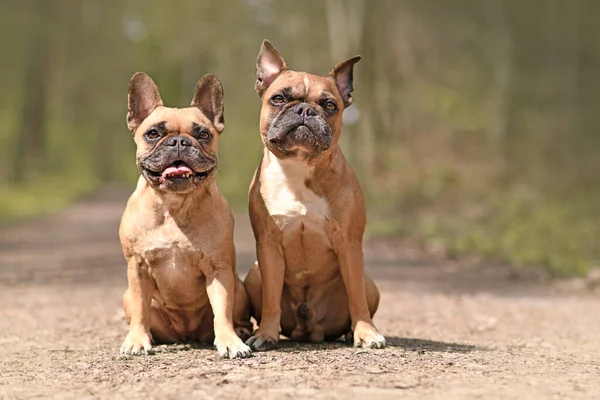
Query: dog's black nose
pixel 306 110
pixel 185 141
pixel 181 140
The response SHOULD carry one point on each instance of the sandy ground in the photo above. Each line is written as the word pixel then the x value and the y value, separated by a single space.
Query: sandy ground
pixel 456 330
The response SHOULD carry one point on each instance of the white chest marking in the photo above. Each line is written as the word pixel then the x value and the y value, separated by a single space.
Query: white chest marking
pixel 286 193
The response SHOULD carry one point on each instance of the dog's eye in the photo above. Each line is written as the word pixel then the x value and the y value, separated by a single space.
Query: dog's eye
pixel 203 135
pixel 152 134
pixel 277 100
pixel 330 106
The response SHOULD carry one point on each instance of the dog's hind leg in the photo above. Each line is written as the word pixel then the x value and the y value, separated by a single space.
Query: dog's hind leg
pixel 241 312
pixel 372 295
pixel 333 309
pixel 253 288
pixel 160 326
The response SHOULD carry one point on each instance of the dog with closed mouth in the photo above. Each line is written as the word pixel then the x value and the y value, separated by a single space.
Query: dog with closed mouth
pixel 177 229
pixel 308 213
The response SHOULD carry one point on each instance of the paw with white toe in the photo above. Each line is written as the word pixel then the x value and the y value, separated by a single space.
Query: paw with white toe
pixel 231 346
pixel 367 336
pixel 137 344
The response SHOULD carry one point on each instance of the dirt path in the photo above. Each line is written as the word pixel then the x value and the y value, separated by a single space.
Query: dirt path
pixel 456 331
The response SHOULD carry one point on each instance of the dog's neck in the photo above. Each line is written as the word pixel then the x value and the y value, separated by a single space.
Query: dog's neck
pixel 180 204
pixel 296 167
pixel 291 168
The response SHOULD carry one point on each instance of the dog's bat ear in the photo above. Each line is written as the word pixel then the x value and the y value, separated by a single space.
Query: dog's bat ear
pixel 342 74
pixel 208 97
pixel 269 64
pixel 142 98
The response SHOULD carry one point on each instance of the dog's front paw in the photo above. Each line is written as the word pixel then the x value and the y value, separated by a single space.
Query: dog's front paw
pixel 137 343
pixel 366 335
pixel 262 341
pixel 231 346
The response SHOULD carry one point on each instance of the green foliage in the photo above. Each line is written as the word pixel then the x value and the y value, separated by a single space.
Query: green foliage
pixel 47 195
pixel 510 226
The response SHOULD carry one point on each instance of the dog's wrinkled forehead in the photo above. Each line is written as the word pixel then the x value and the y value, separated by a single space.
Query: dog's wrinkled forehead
pixel 303 86
pixel 176 120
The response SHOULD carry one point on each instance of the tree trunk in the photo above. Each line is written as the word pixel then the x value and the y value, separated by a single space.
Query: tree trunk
pixel 30 145
pixel 501 57
pixel 345 21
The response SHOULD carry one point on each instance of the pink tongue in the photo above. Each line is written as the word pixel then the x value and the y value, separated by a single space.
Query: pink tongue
pixel 178 169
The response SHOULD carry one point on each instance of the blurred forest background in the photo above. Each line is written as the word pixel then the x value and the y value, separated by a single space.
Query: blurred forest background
pixel 475 125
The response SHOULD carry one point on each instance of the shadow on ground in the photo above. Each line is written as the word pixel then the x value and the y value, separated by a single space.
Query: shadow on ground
pixel 286 346
pixel 412 344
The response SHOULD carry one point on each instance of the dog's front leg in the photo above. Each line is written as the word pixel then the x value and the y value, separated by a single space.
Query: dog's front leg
pixel 272 269
pixel 350 257
pixel 220 286
pixel 136 302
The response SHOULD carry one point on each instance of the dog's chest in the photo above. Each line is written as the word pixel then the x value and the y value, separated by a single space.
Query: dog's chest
pixel 166 239
pixel 286 195
pixel 171 255
pixel 302 216
pixel 177 267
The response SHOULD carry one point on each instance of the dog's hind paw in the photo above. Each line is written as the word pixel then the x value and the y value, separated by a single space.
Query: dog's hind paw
pixel 243 333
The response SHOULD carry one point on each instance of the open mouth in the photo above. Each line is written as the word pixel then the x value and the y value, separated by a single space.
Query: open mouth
pixel 179 171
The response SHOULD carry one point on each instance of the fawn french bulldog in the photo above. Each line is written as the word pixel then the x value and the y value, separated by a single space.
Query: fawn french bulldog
pixel 308 213
pixel 177 229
